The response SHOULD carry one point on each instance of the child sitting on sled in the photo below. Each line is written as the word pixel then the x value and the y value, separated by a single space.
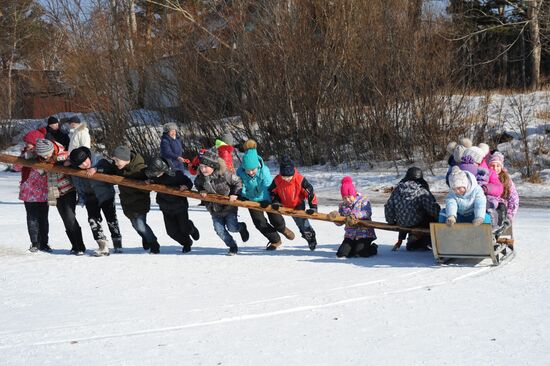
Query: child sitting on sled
pixel 358 240
pixel 466 201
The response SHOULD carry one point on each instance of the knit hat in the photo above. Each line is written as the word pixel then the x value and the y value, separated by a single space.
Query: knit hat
pixel 32 136
pixel 52 120
pixel 249 144
pixel 210 158
pixel 457 149
pixel 485 148
pixel 476 153
pixel 251 159
pixel 458 178
pixel 347 188
pixel 286 167
pixel 74 119
pixel 497 157
pixel 170 126
pixel 79 155
pixel 43 147
pixel 122 153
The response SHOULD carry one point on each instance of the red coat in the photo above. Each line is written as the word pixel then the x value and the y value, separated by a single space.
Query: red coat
pixel 292 194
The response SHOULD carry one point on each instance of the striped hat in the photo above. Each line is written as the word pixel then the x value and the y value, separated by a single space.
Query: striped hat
pixel 44 148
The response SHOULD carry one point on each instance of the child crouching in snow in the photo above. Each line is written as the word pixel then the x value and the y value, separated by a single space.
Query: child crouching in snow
pixel 465 201
pixel 215 178
pixel 358 241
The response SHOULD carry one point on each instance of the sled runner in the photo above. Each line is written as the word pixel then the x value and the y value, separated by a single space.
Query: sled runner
pixel 469 241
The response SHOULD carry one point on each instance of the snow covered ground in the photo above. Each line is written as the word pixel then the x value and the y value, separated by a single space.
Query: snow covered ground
pixel 289 307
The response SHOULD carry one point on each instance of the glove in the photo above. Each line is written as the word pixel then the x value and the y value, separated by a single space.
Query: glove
pixel 333 215
pixel 264 204
pixel 276 206
pixel 311 210
pixel 351 220
pixel 451 220
pixel 477 221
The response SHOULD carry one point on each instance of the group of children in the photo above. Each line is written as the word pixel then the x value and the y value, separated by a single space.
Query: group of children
pixel 473 174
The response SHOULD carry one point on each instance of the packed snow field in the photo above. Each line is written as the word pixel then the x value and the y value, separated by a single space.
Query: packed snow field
pixel 288 307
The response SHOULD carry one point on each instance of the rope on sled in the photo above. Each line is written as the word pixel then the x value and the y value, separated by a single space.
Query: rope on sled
pixel 115 179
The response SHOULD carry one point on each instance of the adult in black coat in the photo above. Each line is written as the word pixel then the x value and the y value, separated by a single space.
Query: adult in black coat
pixel 174 208
pixel 54 133
pixel 411 204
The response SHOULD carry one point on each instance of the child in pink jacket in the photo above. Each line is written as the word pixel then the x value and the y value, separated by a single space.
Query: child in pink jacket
pixel 33 191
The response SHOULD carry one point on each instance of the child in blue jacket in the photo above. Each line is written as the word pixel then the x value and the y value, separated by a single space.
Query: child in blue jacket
pixel 256 179
pixel 466 201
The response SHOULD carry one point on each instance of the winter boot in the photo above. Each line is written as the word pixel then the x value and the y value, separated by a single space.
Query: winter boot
pixel 195 233
pixel 233 250
pixel 117 245
pixel 245 235
pixel 273 246
pixel 311 241
pixel 33 248
pixel 289 234
pixel 77 244
pixel 155 248
pixel 45 248
pixel 186 247
pixel 103 249
pixel 145 245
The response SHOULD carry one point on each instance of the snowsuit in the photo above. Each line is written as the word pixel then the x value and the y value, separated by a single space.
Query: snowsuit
pixel 257 189
pixel 57 136
pixel 293 195
pixel 99 197
pixel 171 149
pixel 512 202
pixel 224 217
pixel 33 191
pixel 135 203
pixel 358 240
pixel 175 209
pixel 467 207
pixel 61 193
pixel 412 204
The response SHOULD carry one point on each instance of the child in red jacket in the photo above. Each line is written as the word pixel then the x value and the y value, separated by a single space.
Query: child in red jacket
pixel 290 189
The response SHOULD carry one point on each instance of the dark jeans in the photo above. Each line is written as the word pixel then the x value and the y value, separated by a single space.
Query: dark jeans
pixel 37 222
pixel 224 224
pixel 269 229
pixel 95 219
pixel 179 227
pixel 66 206
pixel 140 225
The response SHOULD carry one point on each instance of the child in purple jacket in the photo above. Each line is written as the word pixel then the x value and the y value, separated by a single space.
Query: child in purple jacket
pixel 358 240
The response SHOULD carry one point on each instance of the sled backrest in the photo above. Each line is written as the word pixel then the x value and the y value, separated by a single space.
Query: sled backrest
pixel 461 241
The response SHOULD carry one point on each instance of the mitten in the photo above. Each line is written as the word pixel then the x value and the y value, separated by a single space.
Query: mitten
pixel 451 220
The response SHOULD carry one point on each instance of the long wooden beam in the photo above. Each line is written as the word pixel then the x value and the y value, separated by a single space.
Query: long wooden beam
pixel 115 179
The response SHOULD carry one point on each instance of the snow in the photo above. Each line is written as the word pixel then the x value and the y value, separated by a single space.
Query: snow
pixel 289 307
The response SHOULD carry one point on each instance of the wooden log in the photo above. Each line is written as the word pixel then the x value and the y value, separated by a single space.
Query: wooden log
pixel 115 179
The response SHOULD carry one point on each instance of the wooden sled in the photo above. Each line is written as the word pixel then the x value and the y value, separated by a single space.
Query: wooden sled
pixel 468 241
